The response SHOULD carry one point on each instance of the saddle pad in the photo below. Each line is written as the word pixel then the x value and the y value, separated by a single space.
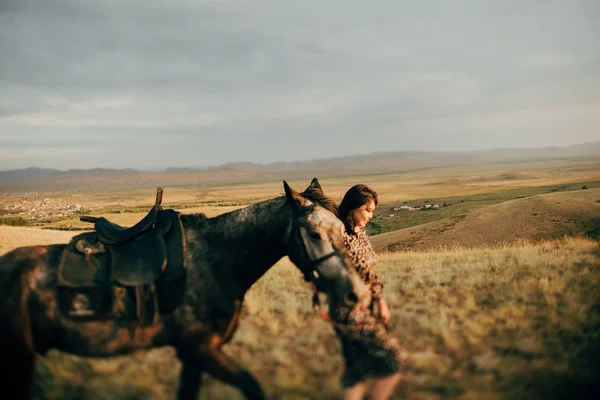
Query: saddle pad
pixel 139 262
pixel 83 270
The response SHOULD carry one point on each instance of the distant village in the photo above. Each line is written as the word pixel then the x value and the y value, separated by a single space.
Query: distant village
pixel 36 210
pixel 50 208
pixel 425 207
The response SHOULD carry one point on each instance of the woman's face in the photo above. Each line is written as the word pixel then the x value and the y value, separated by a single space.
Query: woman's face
pixel 362 215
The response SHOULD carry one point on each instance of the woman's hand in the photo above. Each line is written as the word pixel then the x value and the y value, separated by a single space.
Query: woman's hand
pixel 384 311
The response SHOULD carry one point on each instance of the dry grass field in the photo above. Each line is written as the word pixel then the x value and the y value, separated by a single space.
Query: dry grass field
pixel 497 296
pixel 12 237
pixel 504 322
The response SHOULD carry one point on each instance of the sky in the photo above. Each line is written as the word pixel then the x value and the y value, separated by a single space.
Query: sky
pixel 184 83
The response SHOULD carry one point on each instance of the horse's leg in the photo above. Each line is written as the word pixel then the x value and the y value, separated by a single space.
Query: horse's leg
pixel 190 380
pixel 222 367
pixel 17 354
pixel 208 357
pixel 196 350
pixel 233 324
pixel 17 362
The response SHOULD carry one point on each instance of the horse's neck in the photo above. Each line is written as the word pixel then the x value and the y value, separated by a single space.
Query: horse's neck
pixel 245 243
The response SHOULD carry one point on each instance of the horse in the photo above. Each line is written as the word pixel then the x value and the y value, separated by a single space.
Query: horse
pixel 224 256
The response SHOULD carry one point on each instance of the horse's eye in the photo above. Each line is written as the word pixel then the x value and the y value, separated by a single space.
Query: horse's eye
pixel 314 234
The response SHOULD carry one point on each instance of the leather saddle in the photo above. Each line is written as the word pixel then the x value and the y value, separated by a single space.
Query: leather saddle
pixel 113 271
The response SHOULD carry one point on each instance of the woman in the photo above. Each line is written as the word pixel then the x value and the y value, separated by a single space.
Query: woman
pixel 369 351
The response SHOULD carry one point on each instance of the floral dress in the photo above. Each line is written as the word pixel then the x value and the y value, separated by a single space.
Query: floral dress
pixel 369 350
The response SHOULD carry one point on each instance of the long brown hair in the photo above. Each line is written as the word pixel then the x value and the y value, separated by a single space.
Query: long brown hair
pixel 356 197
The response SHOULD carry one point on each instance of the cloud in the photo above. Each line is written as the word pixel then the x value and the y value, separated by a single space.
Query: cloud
pixel 241 80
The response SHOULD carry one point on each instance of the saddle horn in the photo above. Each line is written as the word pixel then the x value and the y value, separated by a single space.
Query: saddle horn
pixel 159 196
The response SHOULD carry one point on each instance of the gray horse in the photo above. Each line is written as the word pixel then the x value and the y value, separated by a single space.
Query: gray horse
pixel 225 256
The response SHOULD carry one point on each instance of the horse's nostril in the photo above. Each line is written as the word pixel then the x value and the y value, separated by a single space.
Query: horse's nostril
pixel 351 298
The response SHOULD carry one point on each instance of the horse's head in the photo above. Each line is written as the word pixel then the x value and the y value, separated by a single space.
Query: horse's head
pixel 316 246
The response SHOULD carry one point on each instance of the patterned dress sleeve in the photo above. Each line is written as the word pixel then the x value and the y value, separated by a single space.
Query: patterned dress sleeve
pixel 365 260
pixel 371 275
pixel 376 286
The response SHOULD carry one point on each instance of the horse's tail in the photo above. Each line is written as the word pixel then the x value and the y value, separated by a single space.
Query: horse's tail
pixel 9 273
pixel 17 353
pixel 18 270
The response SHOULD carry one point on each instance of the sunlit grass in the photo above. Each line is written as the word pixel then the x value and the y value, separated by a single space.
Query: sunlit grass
pixel 12 237
pixel 519 322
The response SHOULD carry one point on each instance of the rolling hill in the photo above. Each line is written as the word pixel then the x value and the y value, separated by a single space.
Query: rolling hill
pixel 44 179
pixel 546 216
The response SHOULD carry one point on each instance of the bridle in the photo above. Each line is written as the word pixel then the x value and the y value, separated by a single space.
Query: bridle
pixel 311 275
pixel 309 267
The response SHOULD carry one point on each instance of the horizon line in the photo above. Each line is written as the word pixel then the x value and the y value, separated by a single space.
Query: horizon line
pixel 237 163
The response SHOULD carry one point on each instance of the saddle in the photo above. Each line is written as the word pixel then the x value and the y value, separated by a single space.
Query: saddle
pixel 113 271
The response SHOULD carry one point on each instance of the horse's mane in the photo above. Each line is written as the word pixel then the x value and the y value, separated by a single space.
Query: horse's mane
pixel 196 220
pixel 316 195
pixel 313 193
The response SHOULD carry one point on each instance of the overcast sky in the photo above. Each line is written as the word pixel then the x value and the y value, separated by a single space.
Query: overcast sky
pixel 147 83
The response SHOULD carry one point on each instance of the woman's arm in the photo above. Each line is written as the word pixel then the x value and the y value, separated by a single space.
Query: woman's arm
pixel 384 310
pixel 377 292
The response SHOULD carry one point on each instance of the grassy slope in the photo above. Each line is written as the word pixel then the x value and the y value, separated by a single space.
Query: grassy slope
pixel 510 322
pixel 534 218
pixel 459 204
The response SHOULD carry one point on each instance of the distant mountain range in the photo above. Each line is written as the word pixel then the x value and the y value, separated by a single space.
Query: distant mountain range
pixel 375 163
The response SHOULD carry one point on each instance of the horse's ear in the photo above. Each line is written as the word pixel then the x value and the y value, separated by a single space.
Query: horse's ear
pixel 294 197
pixel 314 186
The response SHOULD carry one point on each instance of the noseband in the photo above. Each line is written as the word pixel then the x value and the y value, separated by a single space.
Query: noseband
pixel 309 269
